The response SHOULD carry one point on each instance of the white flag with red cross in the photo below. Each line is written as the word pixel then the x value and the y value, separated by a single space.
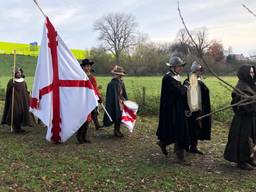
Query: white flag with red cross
pixel 62 95
pixel 129 114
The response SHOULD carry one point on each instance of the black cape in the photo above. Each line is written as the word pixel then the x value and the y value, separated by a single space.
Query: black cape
pixel 201 130
pixel 172 123
pixel 115 93
pixel 242 133
pixel 21 104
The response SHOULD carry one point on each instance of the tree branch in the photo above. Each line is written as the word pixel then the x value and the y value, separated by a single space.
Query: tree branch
pixel 200 55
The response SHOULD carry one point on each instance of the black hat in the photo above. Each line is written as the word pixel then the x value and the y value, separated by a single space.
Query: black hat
pixel 86 62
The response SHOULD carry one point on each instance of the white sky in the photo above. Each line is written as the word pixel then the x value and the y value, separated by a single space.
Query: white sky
pixel 226 20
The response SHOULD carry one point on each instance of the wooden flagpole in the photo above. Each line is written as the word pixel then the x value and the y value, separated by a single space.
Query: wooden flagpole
pixel 13 88
pixel 40 9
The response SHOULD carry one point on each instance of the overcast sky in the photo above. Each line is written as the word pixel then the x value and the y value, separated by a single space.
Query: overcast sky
pixel 226 20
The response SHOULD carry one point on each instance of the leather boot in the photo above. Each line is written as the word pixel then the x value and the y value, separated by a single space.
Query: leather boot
pixel 245 166
pixel 180 158
pixel 252 162
pixel 79 135
pixel 193 148
pixel 95 119
pixel 117 131
pixel 84 133
pixel 162 146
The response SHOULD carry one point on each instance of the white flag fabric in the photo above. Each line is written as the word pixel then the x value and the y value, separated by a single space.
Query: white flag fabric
pixel 62 95
pixel 129 116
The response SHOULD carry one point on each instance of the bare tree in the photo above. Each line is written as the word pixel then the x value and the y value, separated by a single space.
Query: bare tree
pixel 117 31
pixel 182 42
pixel 200 37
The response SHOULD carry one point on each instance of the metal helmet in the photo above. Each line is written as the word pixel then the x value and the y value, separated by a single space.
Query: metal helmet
pixel 175 61
pixel 196 67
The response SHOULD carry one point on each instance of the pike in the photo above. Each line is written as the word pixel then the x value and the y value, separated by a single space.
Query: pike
pixel 40 9
pixel 13 88
pixel 246 99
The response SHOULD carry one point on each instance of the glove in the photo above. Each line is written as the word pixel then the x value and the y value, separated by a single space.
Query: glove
pixel 100 99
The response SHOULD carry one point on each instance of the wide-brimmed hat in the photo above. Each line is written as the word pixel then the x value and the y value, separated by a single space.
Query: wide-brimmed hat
pixel 86 62
pixel 175 61
pixel 118 70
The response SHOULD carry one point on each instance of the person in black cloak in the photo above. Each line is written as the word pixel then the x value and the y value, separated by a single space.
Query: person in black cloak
pixel 241 143
pixel 199 129
pixel 172 127
pixel 115 96
pixel 21 114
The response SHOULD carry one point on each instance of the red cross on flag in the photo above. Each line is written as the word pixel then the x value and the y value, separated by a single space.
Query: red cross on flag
pixel 62 95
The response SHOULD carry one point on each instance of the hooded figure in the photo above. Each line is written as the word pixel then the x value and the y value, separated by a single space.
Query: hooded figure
pixel 242 133
pixel 21 114
pixel 199 129
pixel 115 96
pixel 172 128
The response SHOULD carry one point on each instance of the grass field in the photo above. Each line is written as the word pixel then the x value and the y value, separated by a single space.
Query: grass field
pixel 133 163
pixel 26 49
pixel 220 96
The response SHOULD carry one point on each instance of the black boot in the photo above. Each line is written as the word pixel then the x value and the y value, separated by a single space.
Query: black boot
pixel 84 133
pixel 95 119
pixel 18 129
pixel 245 166
pixel 193 148
pixel 117 131
pixel 180 158
pixel 162 147
pixel 79 135
pixel 252 162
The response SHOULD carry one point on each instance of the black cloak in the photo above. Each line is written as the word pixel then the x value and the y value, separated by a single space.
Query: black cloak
pixel 242 133
pixel 201 130
pixel 115 94
pixel 21 104
pixel 172 123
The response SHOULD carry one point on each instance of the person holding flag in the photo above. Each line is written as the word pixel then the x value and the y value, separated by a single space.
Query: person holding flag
pixel 81 135
pixel 60 88
pixel 87 68
pixel 115 96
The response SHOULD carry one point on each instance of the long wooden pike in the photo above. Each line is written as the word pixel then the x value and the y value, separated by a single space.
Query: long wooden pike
pixel 249 10
pixel 40 9
pixel 13 88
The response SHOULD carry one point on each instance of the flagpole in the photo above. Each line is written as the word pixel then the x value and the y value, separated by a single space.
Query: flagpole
pixel 40 9
pixel 13 88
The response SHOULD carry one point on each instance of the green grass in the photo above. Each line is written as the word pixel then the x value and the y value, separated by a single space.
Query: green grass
pixel 134 163
pixel 26 49
pixel 220 96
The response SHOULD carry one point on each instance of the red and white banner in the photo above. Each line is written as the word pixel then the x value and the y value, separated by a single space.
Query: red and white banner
pixel 62 95
pixel 129 116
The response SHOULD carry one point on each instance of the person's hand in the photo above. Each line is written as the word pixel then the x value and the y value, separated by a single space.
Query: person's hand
pixel 100 99
pixel 186 84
